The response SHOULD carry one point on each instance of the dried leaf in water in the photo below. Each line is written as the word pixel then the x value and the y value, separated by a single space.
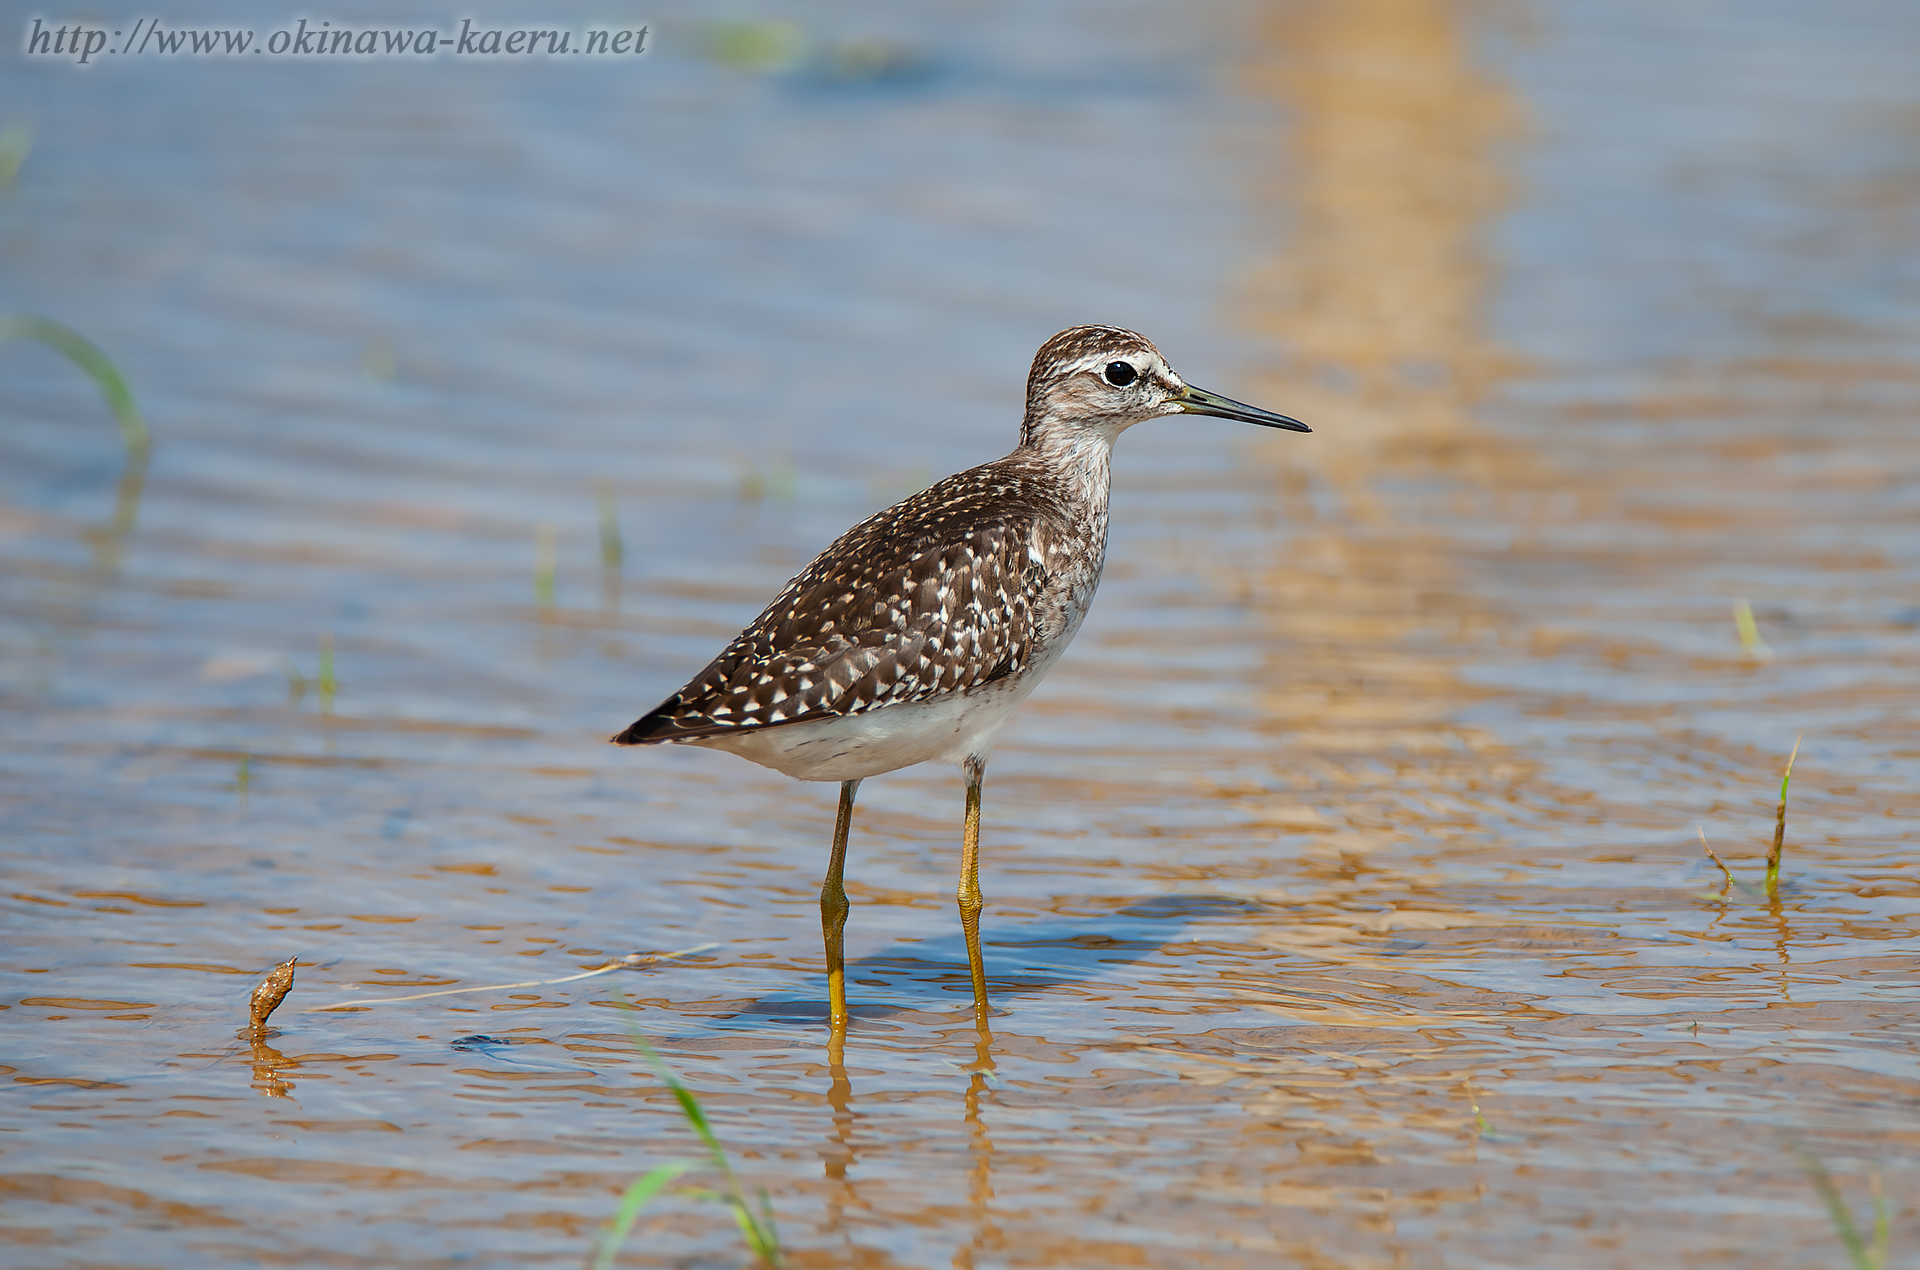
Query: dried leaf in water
pixel 269 993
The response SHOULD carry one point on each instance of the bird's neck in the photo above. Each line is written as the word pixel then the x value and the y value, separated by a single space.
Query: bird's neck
pixel 1080 459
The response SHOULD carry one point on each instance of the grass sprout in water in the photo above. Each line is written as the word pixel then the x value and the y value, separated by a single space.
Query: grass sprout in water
pixel 613 552
pixel 756 1224
pixel 1779 837
pixel 1780 824
pixel 1725 872
pixel 82 352
pixel 97 366
pixel 781 480
pixel 613 549
pixel 1860 1254
pixel 1481 1123
pixel 379 362
pixel 326 684
pixel 16 142
pixel 543 565
pixel 323 685
pixel 756 46
pixel 296 683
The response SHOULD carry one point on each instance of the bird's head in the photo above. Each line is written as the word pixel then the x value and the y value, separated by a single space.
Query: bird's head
pixel 1103 379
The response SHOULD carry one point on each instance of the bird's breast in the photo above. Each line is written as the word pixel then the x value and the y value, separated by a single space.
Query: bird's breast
pixel 1067 554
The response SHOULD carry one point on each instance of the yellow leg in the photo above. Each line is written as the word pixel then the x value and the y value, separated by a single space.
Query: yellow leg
pixel 969 894
pixel 833 917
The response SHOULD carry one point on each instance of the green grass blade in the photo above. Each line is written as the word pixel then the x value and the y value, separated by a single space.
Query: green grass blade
pixel 1837 1212
pixel 81 351
pixel 697 1117
pixel 643 1189
pixel 762 1236
pixel 769 1245
pixel 689 1105
pixel 762 1239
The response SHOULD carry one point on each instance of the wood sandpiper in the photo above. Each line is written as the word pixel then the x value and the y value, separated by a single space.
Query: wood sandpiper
pixel 912 638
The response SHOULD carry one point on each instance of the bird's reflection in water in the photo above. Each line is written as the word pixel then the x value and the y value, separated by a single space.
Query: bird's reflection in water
pixel 1077 950
pixel 839 1154
pixel 980 1147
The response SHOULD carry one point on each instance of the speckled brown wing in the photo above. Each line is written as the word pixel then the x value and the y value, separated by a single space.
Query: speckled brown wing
pixel 935 595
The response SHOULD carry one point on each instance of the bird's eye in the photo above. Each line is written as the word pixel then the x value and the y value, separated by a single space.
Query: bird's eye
pixel 1120 374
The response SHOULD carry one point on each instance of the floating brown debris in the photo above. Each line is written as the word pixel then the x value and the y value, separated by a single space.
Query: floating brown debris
pixel 268 994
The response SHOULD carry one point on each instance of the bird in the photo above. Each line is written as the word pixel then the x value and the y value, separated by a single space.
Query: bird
pixel 913 637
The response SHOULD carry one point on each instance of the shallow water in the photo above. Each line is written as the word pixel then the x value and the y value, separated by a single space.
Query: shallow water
pixel 1345 903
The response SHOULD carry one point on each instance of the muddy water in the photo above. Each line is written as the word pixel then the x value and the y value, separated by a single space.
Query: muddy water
pixel 1346 904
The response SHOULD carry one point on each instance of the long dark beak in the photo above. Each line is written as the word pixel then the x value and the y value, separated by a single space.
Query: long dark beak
pixel 1198 401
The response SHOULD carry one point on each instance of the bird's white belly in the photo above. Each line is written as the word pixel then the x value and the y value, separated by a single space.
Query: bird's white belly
pixel 855 746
